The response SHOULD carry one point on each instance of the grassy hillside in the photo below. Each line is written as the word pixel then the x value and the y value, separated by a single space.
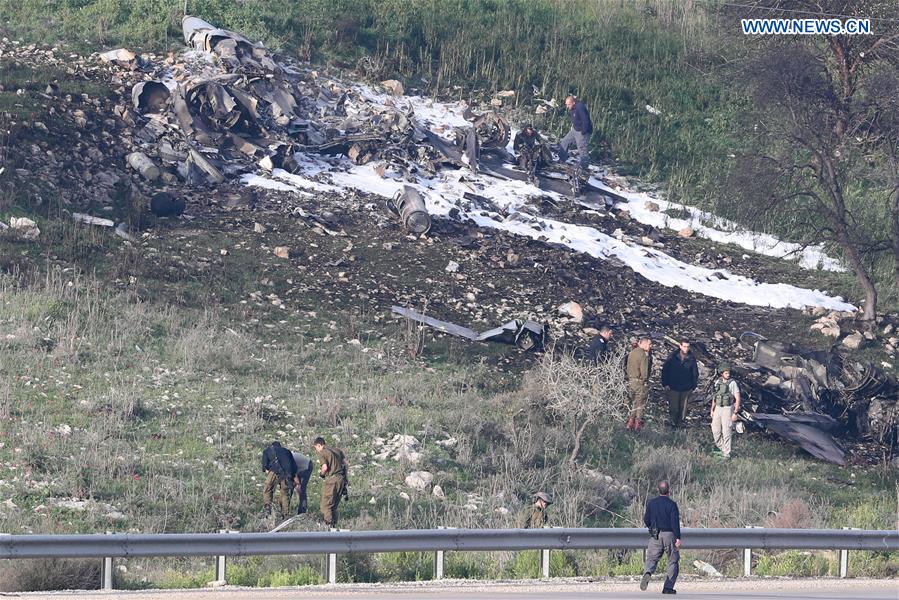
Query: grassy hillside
pixel 146 381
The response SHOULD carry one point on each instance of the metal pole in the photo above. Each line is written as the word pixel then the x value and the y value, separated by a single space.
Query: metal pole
pixel 438 560
pixel 221 564
pixel 747 556
pixel 544 563
pixel 106 574
pixel 332 568
pixel 844 560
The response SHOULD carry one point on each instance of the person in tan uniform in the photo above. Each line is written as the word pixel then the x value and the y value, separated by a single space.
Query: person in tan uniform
pixel 535 517
pixel 638 368
pixel 333 470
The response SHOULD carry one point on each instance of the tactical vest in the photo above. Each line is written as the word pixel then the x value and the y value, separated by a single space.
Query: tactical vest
pixel 723 395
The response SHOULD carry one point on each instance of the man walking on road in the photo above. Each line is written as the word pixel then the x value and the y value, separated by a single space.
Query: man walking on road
pixel 334 471
pixel 280 470
pixel 579 134
pixel 680 374
pixel 638 368
pixel 662 517
pixel 725 406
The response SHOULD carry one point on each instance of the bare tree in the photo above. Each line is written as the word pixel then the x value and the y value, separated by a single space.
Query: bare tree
pixel 810 119
pixel 584 396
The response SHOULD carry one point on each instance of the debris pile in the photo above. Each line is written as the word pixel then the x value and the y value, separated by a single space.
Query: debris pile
pixel 811 397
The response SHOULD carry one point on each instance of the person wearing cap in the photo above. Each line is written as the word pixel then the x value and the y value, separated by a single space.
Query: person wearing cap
pixel 725 406
pixel 535 517
pixel 662 517
pixel 531 151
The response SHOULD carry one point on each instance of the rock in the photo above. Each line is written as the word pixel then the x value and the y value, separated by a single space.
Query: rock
pixel 647 241
pixel 451 267
pixel 121 56
pixel 888 329
pixel 832 331
pixel 773 381
pixel 282 252
pixel 707 569
pixel 259 228
pixel 651 206
pixel 393 87
pixel 573 310
pixel 438 493
pixel 818 311
pixel 854 341
pixel 419 480
pixel 541 110
pixel 25 227
pixel 505 94
pixel 686 232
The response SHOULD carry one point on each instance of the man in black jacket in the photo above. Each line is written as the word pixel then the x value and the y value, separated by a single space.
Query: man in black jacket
pixel 579 134
pixel 599 348
pixel 680 374
pixel 663 520
pixel 280 471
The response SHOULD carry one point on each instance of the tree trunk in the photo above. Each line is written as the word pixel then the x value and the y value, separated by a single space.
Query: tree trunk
pixel 894 227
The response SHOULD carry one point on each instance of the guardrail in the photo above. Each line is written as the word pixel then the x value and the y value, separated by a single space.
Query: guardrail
pixel 222 545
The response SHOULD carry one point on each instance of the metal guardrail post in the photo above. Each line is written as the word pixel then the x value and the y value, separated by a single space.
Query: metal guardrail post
pixel 438 558
pixel 221 564
pixel 332 568
pixel 747 556
pixel 844 558
pixel 106 574
pixel 544 563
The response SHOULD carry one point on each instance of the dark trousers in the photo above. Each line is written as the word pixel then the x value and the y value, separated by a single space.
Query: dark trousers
pixel 304 483
pixel 654 551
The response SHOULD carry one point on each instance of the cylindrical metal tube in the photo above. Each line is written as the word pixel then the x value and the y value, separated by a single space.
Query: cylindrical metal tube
pixel 412 210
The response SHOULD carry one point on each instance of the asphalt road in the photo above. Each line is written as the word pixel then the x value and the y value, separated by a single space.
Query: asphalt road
pixel 569 590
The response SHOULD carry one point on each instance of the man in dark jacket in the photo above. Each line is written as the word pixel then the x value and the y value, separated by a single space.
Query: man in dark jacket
pixel 662 517
pixel 532 152
pixel 280 470
pixel 579 134
pixel 680 374
pixel 599 348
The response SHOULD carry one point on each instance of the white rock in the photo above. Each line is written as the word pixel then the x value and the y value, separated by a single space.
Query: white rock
pixel 419 480
pixel 572 309
pixel 438 493
pixel 393 87
pixel 451 267
pixel 854 341
pixel 651 206
pixel 686 232
pixel 259 228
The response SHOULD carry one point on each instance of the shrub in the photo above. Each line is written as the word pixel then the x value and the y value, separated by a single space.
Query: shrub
pixel 49 575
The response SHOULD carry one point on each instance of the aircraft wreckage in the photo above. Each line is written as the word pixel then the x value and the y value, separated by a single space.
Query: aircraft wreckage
pixel 249 108
pixel 812 398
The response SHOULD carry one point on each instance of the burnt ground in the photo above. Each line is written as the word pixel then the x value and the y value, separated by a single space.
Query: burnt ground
pixel 68 133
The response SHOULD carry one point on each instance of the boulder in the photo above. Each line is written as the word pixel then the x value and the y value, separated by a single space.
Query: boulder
pixel 419 480
pixel 651 206
pixel 573 310
pixel 686 232
pixel 393 87
pixel 854 341
pixel 282 252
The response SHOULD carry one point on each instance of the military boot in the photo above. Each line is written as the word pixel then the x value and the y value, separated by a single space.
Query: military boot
pixel 630 423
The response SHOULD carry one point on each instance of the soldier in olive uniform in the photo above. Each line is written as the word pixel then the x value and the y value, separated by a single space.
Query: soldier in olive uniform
pixel 638 369
pixel 334 471
pixel 535 516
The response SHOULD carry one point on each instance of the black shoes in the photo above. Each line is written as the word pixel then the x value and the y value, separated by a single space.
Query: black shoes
pixel 669 591
pixel 645 581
